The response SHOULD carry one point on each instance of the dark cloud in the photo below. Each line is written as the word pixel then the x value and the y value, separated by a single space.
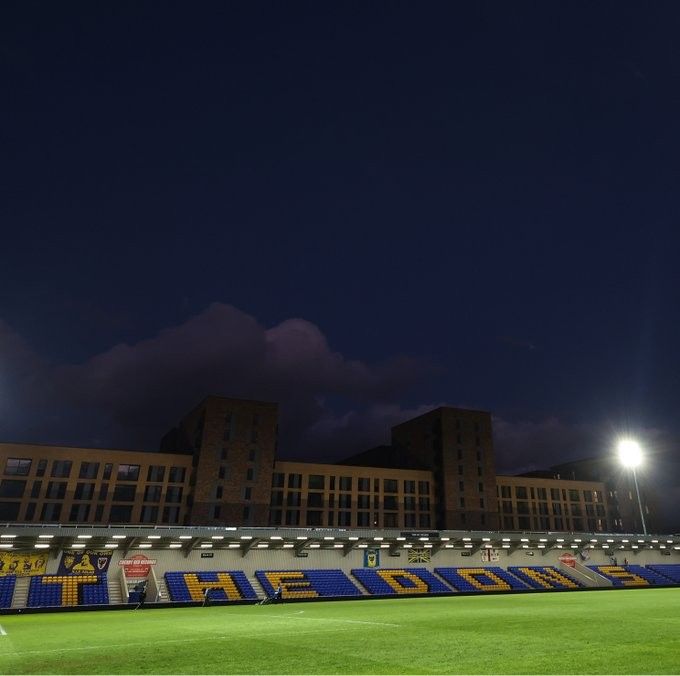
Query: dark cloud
pixel 130 394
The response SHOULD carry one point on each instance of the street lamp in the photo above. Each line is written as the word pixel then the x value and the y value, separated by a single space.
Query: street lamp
pixel 630 456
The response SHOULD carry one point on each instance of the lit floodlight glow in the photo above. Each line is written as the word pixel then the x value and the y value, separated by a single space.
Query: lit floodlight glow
pixel 41 546
pixel 630 453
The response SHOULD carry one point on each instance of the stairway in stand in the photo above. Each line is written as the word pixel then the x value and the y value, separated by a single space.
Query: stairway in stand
pixel 20 598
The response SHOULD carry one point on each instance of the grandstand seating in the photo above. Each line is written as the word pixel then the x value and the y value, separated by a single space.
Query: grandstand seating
pixel 311 583
pixel 400 581
pixel 231 585
pixel 630 576
pixel 544 577
pixel 671 571
pixel 491 578
pixel 7 583
pixel 67 590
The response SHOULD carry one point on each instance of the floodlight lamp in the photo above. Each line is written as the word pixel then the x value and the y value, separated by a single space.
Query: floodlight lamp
pixel 630 453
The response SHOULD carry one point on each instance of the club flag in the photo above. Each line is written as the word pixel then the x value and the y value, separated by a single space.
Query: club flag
pixel 371 558
pixel 85 562
pixel 417 555
pixel 22 565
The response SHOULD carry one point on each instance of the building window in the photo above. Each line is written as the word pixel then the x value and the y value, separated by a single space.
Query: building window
pixel 424 487
pixel 250 474
pixel 252 455
pixel 507 506
pixel 480 487
pixel 316 499
pixel 42 466
pixel 461 503
pixel 221 472
pixel 508 523
pixel 292 517
pixel 12 488
pixel 521 492
pixel 573 495
pixel 35 490
pixel 124 493
pixel 149 514
pixel 344 518
pixel 84 491
pixel 344 501
pixel 409 486
pixel 107 471
pixel 155 473
pixel 99 513
pixel 423 503
pixel 460 470
pixel 218 492
pixel 224 454
pixel 390 502
pixel 152 493
pixel 390 520
pixel 79 513
pixel 505 492
pixel 524 522
pixel 177 475
pixel 293 499
pixel 173 494
pixel 61 469
pixel 170 514
pixel 277 498
pixel 363 519
pixel 277 480
pixel 461 485
pixel 409 520
pixel 345 484
pixel 247 493
pixel 103 491
pixel 56 490
pixel 18 466
pixel 314 517
pixel 390 486
pixel 88 470
pixel 410 503
pixel 295 481
pixel 481 503
pixel 364 501
pixel 542 493
pixel 460 454
pixel 364 485
pixel 30 511
pixel 424 520
pixel 275 517
pixel 523 507
pixel 315 481
pixel 128 472
pixel 51 511
pixel 229 427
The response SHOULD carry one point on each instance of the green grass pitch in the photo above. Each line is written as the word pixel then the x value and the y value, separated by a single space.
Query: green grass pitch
pixel 614 632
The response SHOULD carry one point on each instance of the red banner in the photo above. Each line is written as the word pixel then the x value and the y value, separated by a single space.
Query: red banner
pixel 138 565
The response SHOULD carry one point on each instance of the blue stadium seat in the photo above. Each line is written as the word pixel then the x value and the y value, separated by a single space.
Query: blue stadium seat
pixel 400 581
pixel 544 577
pixel 7 584
pixel 307 583
pixel 630 576
pixel 228 585
pixel 481 579
pixel 670 571
pixel 67 590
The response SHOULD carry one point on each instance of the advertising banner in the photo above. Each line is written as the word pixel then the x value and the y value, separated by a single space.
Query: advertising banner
pixel 567 559
pixel 489 555
pixel 137 566
pixel 23 565
pixel 85 562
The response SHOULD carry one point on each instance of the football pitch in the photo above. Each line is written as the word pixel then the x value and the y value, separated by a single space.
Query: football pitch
pixel 614 632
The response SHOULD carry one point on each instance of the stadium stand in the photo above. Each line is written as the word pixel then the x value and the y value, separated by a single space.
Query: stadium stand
pixel 671 571
pixel 400 581
pixel 231 585
pixel 301 584
pixel 67 590
pixel 7 583
pixel 487 579
pixel 544 577
pixel 630 576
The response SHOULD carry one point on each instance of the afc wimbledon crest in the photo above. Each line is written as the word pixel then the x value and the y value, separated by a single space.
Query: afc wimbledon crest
pixel 371 558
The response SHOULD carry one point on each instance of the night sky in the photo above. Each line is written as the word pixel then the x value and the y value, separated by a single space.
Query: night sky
pixel 360 210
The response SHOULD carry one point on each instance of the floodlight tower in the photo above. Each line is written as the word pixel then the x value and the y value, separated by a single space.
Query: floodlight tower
pixel 630 455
